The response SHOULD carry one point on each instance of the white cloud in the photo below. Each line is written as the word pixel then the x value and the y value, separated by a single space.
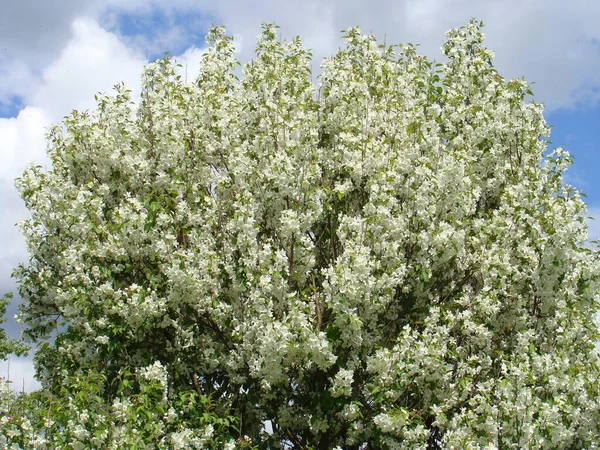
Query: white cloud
pixel 35 31
pixel 20 371
pixel 551 42
pixel 93 61
pixel 16 80
pixel 22 143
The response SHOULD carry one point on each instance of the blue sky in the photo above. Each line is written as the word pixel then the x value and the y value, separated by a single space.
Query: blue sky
pixel 54 56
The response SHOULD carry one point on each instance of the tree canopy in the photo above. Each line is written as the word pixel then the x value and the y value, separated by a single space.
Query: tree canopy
pixel 388 259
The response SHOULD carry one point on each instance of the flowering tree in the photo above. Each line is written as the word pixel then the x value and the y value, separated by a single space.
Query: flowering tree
pixel 387 260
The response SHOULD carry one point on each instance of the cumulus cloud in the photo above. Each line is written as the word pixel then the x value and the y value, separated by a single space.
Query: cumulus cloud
pixel 156 30
pixel 19 372
pixel 93 61
pixel 16 80
pixel 32 34
pixel 550 42
pixel 35 31
pixel 22 143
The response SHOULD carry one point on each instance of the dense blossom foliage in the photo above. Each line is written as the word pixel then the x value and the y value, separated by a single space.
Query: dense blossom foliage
pixel 141 415
pixel 389 259
pixel 8 346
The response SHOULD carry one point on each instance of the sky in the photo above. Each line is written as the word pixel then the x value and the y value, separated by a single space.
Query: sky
pixel 56 54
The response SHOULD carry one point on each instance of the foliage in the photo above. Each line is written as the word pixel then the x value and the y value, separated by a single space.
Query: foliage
pixel 389 259
pixel 139 415
pixel 8 346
